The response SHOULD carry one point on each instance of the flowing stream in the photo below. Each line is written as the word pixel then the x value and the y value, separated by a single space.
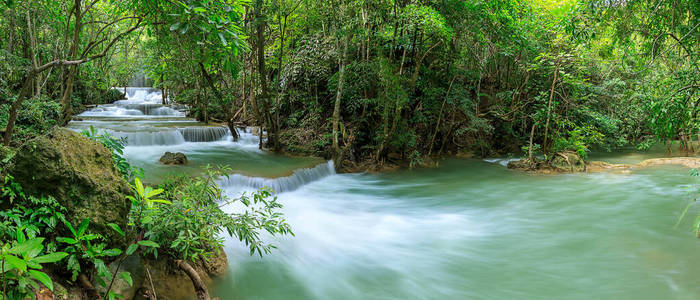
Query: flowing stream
pixel 470 229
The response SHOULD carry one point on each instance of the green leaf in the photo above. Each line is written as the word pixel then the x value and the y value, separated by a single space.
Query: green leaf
pixel 112 252
pixel 147 243
pixel 20 235
pixel 67 240
pixel 131 249
pixel 31 245
pixel 175 26
pixel 161 201
pixel 91 237
pixel 139 187
pixel 16 262
pixel 127 277
pixel 50 258
pixel 152 193
pixel 42 277
pixel 184 29
pixel 116 228
pixel 223 39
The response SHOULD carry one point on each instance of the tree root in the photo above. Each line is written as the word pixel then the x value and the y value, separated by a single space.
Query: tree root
pixel 199 286
pixel 88 287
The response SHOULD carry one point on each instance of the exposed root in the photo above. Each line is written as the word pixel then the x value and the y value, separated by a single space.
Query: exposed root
pixel 199 286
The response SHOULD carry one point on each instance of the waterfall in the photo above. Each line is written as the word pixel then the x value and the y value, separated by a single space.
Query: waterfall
pixel 292 182
pixel 139 102
pixel 203 134
pixel 157 138
pixel 173 136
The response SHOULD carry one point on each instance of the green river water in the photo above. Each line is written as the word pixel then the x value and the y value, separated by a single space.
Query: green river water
pixel 469 229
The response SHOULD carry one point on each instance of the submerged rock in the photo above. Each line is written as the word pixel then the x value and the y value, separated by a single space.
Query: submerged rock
pixel 560 162
pixel 170 158
pixel 80 174
pixel 172 283
pixel 567 162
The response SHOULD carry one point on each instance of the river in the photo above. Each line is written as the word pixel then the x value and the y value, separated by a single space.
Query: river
pixel 470 229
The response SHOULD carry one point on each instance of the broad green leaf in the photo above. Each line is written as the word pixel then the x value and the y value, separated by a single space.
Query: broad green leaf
pixel 175 26
pixel 42 277
pixel 152 193
pixel 127 277
pixel 70 227
pixel 28 246
pixel 16 262
pixel 116 228
pixel 50 258
pixel 66 240
pixel 161 201
pixel 147 243
pixel 223 39
pixel 131 249
pixel 112 252
pixel 139 187
pixel 92 236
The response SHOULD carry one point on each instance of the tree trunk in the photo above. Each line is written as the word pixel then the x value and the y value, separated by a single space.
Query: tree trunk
pixel 32 48
pixel 338 96
pixel 67 110
pixel 442 107
pixel 199 287
pixel 549 106
pixel 26 87
pixel 266 114
pixel 418 64
pixel 162 90
pixel 532 135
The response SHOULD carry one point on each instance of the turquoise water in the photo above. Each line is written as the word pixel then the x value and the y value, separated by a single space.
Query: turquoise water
pixel 475 230
pixel 470 229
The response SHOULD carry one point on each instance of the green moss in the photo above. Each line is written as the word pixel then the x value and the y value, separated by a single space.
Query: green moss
pixel 79 174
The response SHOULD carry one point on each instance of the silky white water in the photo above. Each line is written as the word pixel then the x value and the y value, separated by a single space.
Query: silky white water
pixel 475 230
pixel 470 229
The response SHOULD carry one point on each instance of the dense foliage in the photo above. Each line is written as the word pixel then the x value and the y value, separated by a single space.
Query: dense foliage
pixel 359 80
pixel 186 224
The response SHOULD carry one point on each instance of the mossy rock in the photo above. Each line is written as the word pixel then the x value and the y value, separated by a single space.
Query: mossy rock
pixel 80 174
pixel 560 162
pixel 567 161
pixel 170 158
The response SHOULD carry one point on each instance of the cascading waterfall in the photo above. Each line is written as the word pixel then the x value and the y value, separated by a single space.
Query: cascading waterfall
pixel 173 136
pixel 289 183
pixel 139 102
pixel 203 134
pixel 157 138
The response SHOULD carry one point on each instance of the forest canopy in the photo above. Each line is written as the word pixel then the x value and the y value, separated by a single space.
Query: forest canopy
pixel 368 80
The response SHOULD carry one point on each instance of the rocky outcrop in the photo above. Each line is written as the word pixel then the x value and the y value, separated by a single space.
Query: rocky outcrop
pixel 561 162
pixel 170 282
pixel 80 174
pixel 567 162
pixel 688 162
pixel 170 158
pixel 570 162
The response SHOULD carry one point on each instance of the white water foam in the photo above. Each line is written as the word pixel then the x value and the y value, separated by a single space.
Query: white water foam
pixel 501 161
pixel 292 182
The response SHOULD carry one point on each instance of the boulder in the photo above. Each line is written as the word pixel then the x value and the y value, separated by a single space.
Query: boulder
pixel 170 158
pixel 567 161
pixel 560 162
pixel 136 268
pixel 80 174
pixel 172 283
